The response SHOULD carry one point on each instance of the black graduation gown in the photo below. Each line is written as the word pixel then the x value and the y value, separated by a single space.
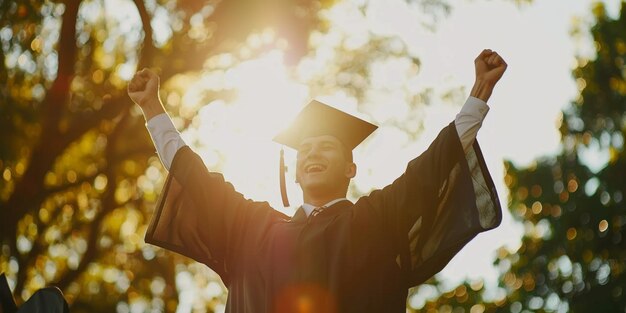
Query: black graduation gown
pixel 359 257
pixel 44 300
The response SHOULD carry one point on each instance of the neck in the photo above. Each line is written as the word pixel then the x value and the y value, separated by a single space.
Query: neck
pixel 320 200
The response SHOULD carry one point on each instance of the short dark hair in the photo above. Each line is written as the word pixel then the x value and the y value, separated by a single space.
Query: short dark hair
pixel 347 153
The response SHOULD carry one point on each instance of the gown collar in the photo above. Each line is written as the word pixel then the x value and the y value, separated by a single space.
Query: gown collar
pixel 332 206
pixel 308 208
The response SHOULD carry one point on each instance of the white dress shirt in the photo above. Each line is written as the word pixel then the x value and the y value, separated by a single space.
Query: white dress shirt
pixel 167 139
pixel 308 208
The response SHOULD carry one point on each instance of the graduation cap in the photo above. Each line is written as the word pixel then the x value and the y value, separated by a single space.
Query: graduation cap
pixel 318 119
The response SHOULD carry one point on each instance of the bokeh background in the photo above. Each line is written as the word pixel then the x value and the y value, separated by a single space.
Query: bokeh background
pixel 80 176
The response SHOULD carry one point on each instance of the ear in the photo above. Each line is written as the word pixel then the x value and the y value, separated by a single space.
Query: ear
pixel 350 170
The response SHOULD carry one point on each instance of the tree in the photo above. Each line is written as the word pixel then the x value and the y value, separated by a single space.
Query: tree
pixel 79 173
pixel 572 256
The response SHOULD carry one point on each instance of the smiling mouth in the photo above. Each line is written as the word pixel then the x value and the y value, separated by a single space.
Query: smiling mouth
pixel 314 168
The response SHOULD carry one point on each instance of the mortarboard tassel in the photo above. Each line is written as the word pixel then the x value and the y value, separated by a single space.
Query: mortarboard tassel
pixel 283 187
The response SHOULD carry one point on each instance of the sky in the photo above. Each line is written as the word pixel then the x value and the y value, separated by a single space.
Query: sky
pixel 525 107
pixel 521 126
pixel 535 41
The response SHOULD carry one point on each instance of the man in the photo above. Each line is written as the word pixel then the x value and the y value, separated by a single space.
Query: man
pixel 332 255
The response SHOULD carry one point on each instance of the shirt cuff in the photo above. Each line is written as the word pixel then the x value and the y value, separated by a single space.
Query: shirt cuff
pixel 166 138
pixel 160 123
pixel 469 120
pixel 475 107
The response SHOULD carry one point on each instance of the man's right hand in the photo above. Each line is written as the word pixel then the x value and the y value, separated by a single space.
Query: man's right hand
pixel 143 89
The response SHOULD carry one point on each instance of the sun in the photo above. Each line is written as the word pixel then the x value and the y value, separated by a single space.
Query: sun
pixel 235 137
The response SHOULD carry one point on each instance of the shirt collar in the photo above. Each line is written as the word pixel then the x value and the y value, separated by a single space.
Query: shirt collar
pixel 308 208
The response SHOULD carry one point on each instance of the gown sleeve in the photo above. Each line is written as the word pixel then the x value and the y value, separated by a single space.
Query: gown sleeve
pixel 444 198
pixel 201 216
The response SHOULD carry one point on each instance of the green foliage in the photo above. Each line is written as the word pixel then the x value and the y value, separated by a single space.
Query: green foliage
pixel 572 256
pixel 78 172
pixel 573 249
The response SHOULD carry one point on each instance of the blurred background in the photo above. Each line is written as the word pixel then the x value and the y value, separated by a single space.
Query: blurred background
pixel 80 176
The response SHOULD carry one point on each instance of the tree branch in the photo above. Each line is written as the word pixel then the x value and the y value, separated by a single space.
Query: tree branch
pixel 45 151
pixel 55 189
pixel 26 261
pixel 57 96
pixel 148 49
pixel 108 205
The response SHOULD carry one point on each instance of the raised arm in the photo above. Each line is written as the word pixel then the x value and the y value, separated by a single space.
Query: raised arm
pixel 198 213
pixel 489 69
pixel 446 195
pixel 143 89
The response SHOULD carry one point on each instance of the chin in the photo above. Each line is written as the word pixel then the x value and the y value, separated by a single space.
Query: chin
pixel 315 185
pixel 320 187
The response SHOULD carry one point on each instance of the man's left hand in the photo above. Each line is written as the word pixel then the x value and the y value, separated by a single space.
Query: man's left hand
pixel 489 69
pixel 489 66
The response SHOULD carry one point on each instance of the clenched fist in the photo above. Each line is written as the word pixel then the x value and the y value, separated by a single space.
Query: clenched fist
pixel 489 69
pixel 143 89
pixel 489 66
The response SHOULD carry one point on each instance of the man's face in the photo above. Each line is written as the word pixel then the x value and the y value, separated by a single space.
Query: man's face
pixel 323 166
